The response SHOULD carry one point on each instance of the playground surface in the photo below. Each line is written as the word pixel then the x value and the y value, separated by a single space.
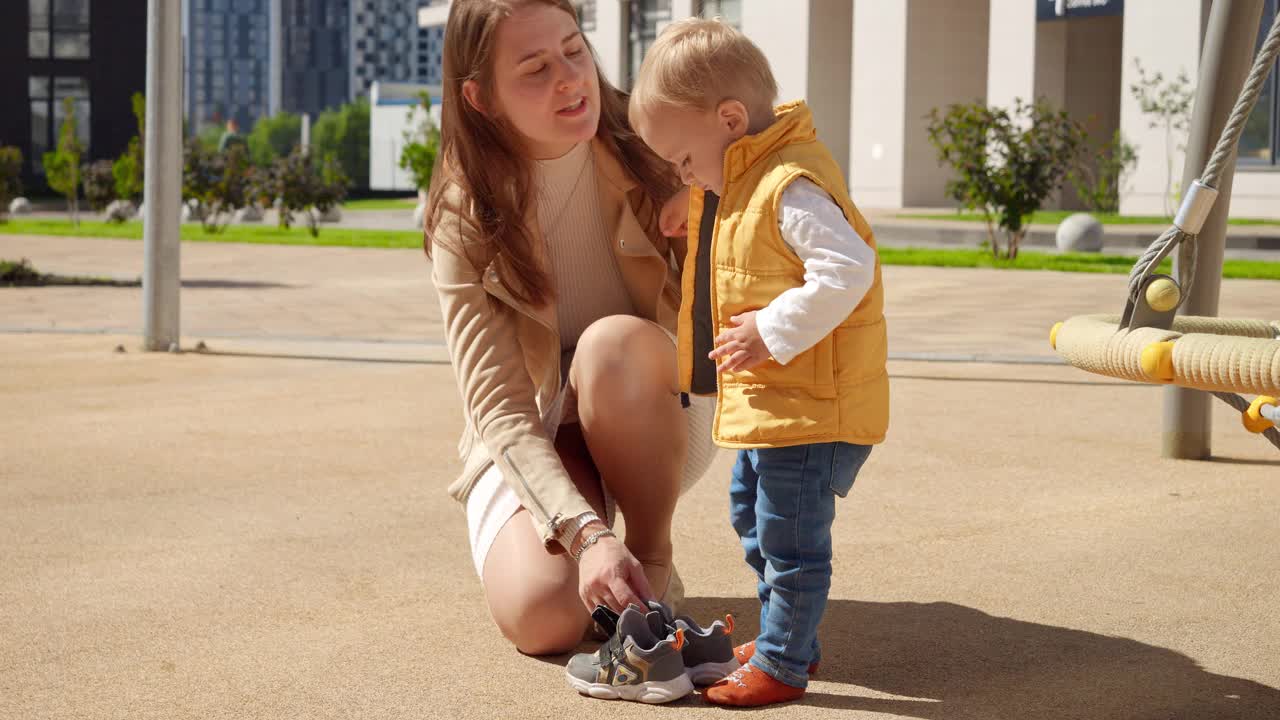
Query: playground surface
pixel 261 530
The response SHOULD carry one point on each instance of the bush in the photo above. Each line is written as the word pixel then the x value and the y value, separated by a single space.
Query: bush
pixel 10 177
pixel 62 166
pixel 343 134
pixel 1098 185
pixel 421 144
pixel 99 184
pixel 274 137
pixel 1007 163
pixel 295 182
pixel 18 273
pixel 220 182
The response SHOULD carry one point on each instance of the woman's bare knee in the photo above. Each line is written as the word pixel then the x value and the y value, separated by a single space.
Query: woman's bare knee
pixel 532 595
pixel 623 346
pixel 544 620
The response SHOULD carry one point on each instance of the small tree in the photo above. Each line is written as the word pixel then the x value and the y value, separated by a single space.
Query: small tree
pixel 62 166
pixel 1007 163
pixel 421 143
pixel 10 178
pixel 99 184
pixel 299 187
pixel 129 169
pixel 1098 184
pixel 1167 105
pixel 344 135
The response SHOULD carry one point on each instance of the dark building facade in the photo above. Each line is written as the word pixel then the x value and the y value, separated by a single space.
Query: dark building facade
pixel 92 51
pixel 228 62
pixel 315 41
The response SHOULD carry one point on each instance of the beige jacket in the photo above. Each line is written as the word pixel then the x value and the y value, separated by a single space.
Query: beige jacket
pixel 506 354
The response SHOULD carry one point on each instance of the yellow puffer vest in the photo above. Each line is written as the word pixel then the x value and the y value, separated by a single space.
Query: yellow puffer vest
pixel 837 390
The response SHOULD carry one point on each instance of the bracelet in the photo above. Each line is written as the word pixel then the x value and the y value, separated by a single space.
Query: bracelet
pixel 567 530
pixel 592 539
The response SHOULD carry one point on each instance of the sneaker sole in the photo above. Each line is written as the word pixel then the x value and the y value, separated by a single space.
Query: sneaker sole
pixel 709 673
pixel 654 692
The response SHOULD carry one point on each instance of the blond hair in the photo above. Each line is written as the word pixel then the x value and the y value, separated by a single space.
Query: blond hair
pixel 698 64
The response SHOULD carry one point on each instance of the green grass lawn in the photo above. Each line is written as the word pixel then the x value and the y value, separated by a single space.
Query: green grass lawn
pixel 1058 262
pixel 194 232
pixel 349 237
pixel 381 204
pixel 1053 217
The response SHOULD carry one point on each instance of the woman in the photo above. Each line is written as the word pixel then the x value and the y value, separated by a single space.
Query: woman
pixel 559 296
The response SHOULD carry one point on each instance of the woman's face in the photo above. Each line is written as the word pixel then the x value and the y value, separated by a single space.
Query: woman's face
pixel 545 81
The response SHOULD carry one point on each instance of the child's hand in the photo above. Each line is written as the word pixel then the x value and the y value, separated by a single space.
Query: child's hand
pixel 674 217
pixel 741 348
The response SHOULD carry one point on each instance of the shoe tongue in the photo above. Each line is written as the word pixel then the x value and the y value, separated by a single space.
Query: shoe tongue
pixel 668 617
pixel 657 625
pixel 634 624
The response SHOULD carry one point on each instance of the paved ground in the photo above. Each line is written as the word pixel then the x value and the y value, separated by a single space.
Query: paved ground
pixel 263 533
pixel 349 293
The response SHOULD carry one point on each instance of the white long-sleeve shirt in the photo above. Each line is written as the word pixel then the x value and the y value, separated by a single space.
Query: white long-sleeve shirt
pixel 839 268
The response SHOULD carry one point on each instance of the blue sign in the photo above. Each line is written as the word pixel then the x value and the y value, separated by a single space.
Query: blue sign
pixel 1063 9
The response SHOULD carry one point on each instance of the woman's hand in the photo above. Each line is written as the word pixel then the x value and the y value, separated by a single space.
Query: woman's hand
pixel 608 574
pixel 673 220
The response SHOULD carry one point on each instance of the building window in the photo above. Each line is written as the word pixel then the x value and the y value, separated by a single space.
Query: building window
pixel 1260 144
pixel 46 96
pixel 644 17
pixel 58 29
pixel 729 11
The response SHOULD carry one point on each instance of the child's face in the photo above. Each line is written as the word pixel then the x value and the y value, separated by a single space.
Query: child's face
pixel 694 141
pixel 545 80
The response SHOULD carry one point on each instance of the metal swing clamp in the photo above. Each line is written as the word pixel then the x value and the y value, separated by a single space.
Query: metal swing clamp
pixel 1196 205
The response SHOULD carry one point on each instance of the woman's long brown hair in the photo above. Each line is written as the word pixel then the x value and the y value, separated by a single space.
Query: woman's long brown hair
pixel 486 159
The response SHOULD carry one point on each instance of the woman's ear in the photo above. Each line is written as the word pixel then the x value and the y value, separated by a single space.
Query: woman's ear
pixel 471 92
pixel 732 116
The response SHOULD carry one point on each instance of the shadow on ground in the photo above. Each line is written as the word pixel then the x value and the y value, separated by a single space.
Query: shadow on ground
pixel 950 662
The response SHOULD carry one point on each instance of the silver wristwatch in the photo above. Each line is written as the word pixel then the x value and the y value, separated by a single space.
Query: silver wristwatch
pixel 569 529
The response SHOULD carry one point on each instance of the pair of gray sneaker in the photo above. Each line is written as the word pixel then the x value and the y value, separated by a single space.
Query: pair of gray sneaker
pixel 652 656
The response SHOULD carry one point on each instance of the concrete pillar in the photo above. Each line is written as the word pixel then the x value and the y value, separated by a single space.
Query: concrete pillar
pixel 879 89
pixel 609 39
pixel 908 58
pixel 1011 67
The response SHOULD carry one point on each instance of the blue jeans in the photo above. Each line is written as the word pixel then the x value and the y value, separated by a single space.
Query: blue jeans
pixel 782 503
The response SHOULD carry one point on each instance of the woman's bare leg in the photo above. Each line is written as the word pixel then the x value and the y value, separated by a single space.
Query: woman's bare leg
pixel 624 375
pixel 532 594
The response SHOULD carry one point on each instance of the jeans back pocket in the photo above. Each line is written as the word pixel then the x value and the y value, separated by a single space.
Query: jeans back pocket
pixel 846 462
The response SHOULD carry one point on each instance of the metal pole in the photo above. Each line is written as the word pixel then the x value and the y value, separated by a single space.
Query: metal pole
pixel 1229 46
pixel 162 193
